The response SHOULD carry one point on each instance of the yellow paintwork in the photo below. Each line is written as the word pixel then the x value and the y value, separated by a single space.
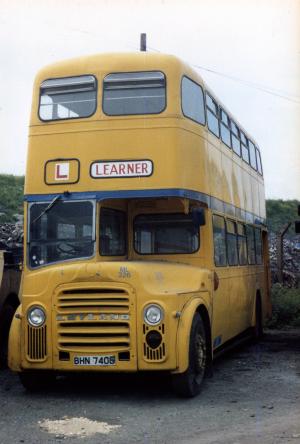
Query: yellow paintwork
pixel 169 285
pixel 185 156
pixel 183 333
pixel 192 155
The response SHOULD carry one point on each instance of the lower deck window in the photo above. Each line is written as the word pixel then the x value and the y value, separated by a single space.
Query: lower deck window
pixel 60 231
pixel 251 244
pixel 258 246
pixel 165 234
pixel 112 232
pixel 242 244
pixel 232 252
pixel 219 233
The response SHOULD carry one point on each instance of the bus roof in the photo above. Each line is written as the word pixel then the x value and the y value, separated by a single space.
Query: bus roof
pixel 128 62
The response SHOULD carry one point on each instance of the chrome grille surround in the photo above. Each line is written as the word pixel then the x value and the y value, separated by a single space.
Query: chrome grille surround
pixel 95 320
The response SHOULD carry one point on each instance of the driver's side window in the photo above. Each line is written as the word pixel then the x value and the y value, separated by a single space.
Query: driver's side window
pixel 113 228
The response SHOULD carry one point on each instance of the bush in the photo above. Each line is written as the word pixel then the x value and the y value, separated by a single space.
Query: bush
pixel 279 212
pixel 285 307
pixel 11 197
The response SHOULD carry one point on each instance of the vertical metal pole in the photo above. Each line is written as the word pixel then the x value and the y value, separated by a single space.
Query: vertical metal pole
pixel 279 245
pixel 279 250
pixel 143 43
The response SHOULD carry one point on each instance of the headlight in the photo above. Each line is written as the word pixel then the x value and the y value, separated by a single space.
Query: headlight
pixel 36 316
pixel 153 314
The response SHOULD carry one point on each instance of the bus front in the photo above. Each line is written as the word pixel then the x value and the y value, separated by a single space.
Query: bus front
pixel 115 265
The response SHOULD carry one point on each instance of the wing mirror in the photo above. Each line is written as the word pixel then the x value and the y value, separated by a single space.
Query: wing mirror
pixel 198 216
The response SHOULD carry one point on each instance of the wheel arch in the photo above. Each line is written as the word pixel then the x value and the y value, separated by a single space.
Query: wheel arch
pixel 14 342
pixel 196 305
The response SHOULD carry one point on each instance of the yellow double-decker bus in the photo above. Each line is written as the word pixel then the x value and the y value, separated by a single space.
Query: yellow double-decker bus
pixel 145 235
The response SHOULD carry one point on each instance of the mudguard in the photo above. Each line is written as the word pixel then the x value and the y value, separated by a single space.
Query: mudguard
pixel 183 332
pixel 14 342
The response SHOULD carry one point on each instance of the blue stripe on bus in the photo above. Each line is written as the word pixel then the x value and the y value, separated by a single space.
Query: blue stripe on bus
pixel 212 202
pixel 217 341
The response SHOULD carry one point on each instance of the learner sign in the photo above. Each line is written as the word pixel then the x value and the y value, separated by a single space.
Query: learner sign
pixel 121 168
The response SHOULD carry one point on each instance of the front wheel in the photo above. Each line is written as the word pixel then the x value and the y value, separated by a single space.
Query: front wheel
pixel 34 381
pixel 188 384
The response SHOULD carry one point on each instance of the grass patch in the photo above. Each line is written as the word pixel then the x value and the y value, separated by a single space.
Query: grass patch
pixel 285 307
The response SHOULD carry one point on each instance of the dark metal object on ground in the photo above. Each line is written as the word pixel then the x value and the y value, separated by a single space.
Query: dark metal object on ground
pixel 290 260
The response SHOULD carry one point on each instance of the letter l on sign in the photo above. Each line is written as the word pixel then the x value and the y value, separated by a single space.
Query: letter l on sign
pixel 62 171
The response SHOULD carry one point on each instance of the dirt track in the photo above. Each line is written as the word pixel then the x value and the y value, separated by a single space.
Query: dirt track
pixel 254 397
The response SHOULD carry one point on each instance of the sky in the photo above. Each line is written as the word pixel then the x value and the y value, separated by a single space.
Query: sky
pixel 247 51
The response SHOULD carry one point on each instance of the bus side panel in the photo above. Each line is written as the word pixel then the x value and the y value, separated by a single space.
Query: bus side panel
pixel 241 294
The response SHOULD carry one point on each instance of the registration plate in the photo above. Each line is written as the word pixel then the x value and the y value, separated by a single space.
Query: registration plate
pixel 100 360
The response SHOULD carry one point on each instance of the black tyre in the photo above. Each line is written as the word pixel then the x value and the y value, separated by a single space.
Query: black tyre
pixel 188 384
pixel 7 314
pixel 35 381
pixel 258 327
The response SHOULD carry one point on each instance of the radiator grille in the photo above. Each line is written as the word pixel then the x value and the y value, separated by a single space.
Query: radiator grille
pixel 96 319
pixel 37 343
pixel 158 354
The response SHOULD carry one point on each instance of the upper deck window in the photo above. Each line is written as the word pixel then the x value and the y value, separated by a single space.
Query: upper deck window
pixel 245 149
pixel 225 131
pixel 212 111
pixel 235 138
pixel 68 98
pixel 129 93
pixel 258 158
pixel 192 100
pixel 252 155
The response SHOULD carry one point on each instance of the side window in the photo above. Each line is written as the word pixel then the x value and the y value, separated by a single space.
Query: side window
pixel 235 138
pixel 219 241
pixel 251 244
pixel 192 98
pixel 242 244
pixel 112 232
pixel 212 113
pixel 245 149
pixel 258 246
pixel 165 234
pixel 252 155
pixel 259 165
pixel 225 131
pixel 231 238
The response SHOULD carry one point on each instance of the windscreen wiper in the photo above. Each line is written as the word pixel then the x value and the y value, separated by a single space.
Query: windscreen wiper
pixel 51 204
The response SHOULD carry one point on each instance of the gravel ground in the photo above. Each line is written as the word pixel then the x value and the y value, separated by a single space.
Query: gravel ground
pixel 253 397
